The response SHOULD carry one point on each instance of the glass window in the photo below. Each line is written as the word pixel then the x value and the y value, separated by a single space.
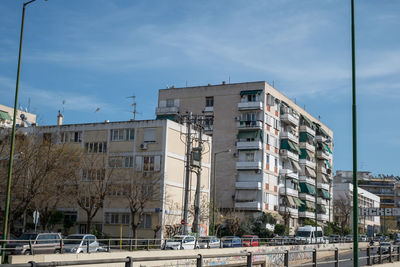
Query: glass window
pixel 170 103
pixel 209 101
pixel 129 134
pixel 148 163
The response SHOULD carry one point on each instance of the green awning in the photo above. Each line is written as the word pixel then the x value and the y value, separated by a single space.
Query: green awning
pixel 321 209
pixel 289 145
pixel 165 117
pixel 307 206
pixel 309 122
pixel 298 201
pixel 304 137
pixel 327 148
pixel 295 147
pixel 325 194
pixel 4 116
pixel 248 134
pixel 310 205
pixel 328 164
pixel 307 188
pixel 305 153
pixel 250 92
pixel 323 132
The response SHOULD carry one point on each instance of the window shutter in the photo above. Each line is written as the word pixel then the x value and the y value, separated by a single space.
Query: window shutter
pixel 138 164
pixel 157 163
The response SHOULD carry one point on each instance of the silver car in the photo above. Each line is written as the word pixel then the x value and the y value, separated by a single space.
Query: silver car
pixel 79 244
pixel 208 242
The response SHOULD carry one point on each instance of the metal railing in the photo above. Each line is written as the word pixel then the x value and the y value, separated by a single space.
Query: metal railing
pixel 286 258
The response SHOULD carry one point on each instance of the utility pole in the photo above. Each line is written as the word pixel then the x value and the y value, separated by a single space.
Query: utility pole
pixel 198 151
pixel 187 178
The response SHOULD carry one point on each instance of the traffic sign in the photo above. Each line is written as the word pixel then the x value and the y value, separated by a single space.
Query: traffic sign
pixel 35 217
pixel 183 222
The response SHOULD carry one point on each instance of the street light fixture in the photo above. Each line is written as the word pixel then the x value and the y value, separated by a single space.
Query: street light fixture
pixel 10 165
pixel 212 228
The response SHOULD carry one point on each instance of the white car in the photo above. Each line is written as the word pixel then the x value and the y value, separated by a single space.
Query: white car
pixel 208 242
pixel 181 242
pixel 78 243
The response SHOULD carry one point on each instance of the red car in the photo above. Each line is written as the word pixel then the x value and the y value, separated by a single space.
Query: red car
pixel 250 241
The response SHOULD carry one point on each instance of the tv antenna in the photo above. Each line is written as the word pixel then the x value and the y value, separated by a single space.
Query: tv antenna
pixel 134 106
pixel 63 104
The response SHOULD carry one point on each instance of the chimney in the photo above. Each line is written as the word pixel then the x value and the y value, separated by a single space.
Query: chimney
pixel 59 118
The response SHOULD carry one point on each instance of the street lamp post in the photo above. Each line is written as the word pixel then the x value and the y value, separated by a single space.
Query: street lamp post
pixel 214 188
pixel 10 165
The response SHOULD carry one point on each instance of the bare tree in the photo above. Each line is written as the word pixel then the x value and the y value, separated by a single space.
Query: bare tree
pixel 342 211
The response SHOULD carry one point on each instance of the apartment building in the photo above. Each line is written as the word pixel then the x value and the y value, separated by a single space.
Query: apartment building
pixel 136 151
pixel 382 185
pixel 24 118
pixel 270 154
pixel 343 195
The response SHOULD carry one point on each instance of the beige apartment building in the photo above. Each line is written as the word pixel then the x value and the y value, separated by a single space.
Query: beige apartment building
pixel 136 150
pixel 7 113
pixel 270 154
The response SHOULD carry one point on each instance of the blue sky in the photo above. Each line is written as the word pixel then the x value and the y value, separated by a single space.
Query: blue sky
pixel 95 53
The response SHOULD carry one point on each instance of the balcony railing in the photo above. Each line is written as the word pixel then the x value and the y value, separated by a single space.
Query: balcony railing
pixel 307 146
pixel 294 213
pixel 248 165
pixel 166 110
pixel 322 217
pixel 252 205
pixel 304 196
pixel 305 128
pixel 322 154
pixel 249 185
pixel 289 191
pixel 290 118
pixel 290 136
pixel 256 145
pixel 322 201
pixel 307 163
pixel 321 169
pixel 307 214
pixel 209 109
pixel 307 180
pixel 289 173
pixel 249 125
pixel 289 154
pixel 250 105
pixel 323 186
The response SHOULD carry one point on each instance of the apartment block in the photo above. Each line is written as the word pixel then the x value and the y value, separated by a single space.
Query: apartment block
pixel 270 154
pixel 24 118
pixel 135 151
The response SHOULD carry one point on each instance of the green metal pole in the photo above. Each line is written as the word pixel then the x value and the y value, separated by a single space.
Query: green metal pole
pixel 316 195
pixel 354 109
pixel 10 164
pixel 214 196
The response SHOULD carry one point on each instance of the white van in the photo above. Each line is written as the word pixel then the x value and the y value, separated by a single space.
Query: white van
pixel 306 235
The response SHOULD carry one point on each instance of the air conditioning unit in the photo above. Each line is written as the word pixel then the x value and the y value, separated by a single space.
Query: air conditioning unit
pixel 143 146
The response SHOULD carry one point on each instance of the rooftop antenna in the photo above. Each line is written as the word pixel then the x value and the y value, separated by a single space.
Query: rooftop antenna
pixel 63 104
pixel 97 110
pixel 133 105
pixel 29 105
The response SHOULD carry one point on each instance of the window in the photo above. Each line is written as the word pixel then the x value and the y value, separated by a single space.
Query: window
pixel 267 158
pixel 266 198
pixel 88 202
pixel 75 137
pixel 170 103
pixel 117 135
pixel 250 157
pixel 148 163
pixel 250 116
pixel 147 190
pixel 125 218
pixel 129 162
pixel 149 135
pixel 70 216
pixel 117 218
pixel 146 222
pixel 251 98
pixel 209 101
pixel 121 162
pixel 129 134
pixel 96 147
pixel 93 175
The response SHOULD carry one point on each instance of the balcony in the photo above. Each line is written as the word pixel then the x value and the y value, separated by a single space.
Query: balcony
pixel 253 205
pixel 248 165
pixel 251 145
pixel 289 154
pixel 289 191
pixel 307 214
pixel 323 186
pixel 166 110
pixel 294 213
pixel 305 128
pixel 307 146
pixel 257 105
pixel 307 197
pixel 322 201
pixel 289 173
pixel 321 169
pixel 289 118
pixel 208 109
pixel 320 138
pixel 208 128
pixel 249 185
pixel 322 217
pixel 307 163
pixel 307 180
pixel 290 136
pixel 322 154
pixel 250 125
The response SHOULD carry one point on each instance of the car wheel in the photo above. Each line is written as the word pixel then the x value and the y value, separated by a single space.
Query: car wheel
pixel 57 251
pixel 27 252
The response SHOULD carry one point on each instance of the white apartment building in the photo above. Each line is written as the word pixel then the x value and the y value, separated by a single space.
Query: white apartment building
pixel 152 149
pixel 7 113
pixel 366 224
pixel 280 158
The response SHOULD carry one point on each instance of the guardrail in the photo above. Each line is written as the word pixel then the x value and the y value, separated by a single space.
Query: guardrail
pixel 249 259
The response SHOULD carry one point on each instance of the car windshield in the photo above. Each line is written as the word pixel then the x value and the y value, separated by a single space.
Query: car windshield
pixel 27 237
pixel 75 240
pixel 228 238
pixel 204 239
pixel 385 244
pixel 303 234
pixel 175 239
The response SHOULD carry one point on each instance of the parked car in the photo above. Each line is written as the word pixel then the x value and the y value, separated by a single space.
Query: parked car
pixel 231 241
pixel 396 241
pixel 362 238
pixel 208 242
pixel 36 243
pixel 334 239
pixel 78 243
pixel 308 235
pixel 385 247
pixel 348 238
pixel 181 242
pixel 250 241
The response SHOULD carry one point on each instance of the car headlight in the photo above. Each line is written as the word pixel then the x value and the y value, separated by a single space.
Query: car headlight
pixel 73 249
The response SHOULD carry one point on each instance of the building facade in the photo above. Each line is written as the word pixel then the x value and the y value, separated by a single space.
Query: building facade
pixel 136 151
pixel 343 196
pixel 280 157
pixel 24 118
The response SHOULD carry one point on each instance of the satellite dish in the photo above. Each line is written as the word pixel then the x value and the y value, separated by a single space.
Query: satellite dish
pixel 23 117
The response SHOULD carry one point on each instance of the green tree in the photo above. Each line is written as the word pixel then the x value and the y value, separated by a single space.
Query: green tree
pixel 279 229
